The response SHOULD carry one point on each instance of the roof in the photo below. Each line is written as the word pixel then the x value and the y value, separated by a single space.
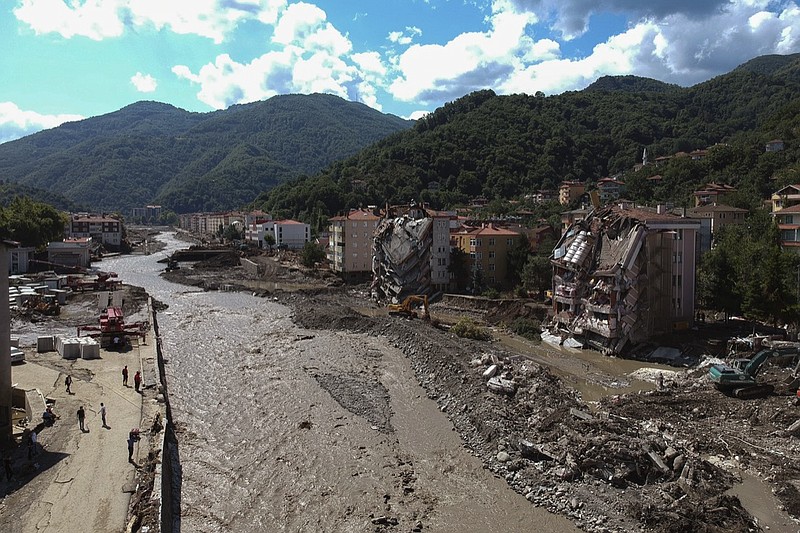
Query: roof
pixel 792 209
pixel 651 216
pixel 715 208
pixel 288 222
pixel 489 230
pixel 357 214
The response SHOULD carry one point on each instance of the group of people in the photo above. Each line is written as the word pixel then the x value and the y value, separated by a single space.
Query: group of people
pixel 137 378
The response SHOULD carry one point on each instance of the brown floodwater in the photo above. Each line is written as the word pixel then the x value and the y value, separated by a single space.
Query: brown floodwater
pixel 264 447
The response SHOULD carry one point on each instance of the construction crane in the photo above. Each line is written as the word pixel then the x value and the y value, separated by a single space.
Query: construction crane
pixel 407 308
pixel 112 330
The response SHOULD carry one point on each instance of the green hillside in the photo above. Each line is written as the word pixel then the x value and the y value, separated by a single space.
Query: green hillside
pixel 503 147
pixel 151 152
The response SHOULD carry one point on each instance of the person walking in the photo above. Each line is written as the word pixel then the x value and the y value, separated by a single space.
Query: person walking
pixel 68 383
pixel 32 440
pixel 133 436
pixel 137 380
pixel 125 376
pixel 103 415
pixel 81 418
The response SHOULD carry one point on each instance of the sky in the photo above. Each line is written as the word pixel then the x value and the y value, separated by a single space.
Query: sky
pixel 66 60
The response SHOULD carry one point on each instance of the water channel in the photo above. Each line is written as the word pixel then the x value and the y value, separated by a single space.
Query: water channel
pixel 263 447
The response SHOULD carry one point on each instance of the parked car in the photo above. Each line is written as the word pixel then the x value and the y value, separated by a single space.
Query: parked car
pixel 17 355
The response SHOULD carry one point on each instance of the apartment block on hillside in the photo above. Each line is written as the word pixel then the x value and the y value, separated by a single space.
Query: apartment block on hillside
pixel 102 229
pixel 487 247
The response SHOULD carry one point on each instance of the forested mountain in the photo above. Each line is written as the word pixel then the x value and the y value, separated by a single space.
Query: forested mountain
pixel 150 152
pixel 11 191
pixel 503 147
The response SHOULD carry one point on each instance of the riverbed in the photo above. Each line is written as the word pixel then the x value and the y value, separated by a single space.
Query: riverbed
pixel 286 429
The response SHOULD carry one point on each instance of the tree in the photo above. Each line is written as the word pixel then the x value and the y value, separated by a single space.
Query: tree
pixel 459 267
pixel 231 233
pixel 31 223
pixel 312 254
pixel 269 240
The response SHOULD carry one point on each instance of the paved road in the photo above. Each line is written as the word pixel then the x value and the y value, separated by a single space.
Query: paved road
pixel 79 481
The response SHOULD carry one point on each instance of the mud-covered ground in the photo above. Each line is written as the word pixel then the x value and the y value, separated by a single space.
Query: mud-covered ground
pixel 662 460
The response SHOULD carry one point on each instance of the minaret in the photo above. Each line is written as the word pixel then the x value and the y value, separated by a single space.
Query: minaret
pixel 644 158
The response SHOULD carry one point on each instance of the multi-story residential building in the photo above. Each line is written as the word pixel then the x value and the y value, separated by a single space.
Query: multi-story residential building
pixel 488 246
pixel 788 221
pixel 256 226
pixel 568 218
pixel 350 242
pixel 148 213
pixel 440 247
pixel 291 233
pixel 569 191
pixel 610 189
pixel 624 275
pixel 210 223
pixel 713 218
pixel 103 229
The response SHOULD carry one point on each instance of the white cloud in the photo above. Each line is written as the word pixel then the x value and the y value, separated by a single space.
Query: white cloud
pixel 16 123
pixel 101 19
pixel 144 83
pixel 470 61
pixel 313 56
pixel 404 37
pixel 95 19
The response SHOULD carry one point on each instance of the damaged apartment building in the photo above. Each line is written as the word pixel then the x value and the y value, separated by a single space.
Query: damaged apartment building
pixel 621 276
pixel 410 253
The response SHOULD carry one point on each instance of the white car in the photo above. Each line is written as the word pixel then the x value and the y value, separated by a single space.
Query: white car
pixel 17 355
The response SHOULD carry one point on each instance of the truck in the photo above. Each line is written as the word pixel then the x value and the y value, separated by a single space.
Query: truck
pixel 740 380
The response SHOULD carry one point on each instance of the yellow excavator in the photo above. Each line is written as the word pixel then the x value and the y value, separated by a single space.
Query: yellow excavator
pixel 408 307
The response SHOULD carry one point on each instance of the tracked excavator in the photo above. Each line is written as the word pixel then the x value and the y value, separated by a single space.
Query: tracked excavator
pixel 408 307
pixel 740 380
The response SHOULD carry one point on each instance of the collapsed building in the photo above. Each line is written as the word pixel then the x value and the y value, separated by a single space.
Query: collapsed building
pixel 401 254
pixel 621 276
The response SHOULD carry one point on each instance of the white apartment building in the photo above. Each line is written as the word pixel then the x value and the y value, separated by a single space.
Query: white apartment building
pixel 291 233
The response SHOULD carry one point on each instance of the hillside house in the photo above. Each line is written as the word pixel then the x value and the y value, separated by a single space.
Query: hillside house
pixel 788 221
pixel 624 275
pixel 610 189
pixel 570 191
pixel 350 242
pixel 713 218
pixel 712 193
pixel 784 197
pixel 775 145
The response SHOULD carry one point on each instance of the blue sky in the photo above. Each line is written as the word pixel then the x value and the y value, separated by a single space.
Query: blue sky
pixel 71 59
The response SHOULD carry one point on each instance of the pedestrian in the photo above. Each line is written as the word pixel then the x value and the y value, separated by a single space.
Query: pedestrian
pixel 660 381
pixel 81 418
pixel 68 383
pixel 103 414
pixel 133 437
pixel 7 466
pixel 137 380
pixel 32 440
pixel 125 376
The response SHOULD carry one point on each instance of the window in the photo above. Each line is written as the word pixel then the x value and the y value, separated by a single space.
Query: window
pixel 491 267
pixel 355 245
pixel 355 224
pixel 478 242
pixel 678 235
pixel 365 223
pixel 472 255
pixel 510 242
pixel 480 256
pixel 677 257
pixel 491 241
pixel 472 242
pixel 491 254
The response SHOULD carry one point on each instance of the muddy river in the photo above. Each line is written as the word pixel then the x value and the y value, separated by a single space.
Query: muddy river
pixel 285 429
